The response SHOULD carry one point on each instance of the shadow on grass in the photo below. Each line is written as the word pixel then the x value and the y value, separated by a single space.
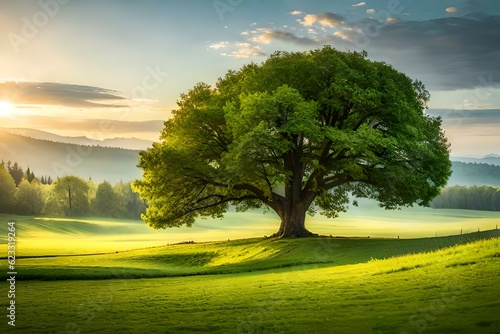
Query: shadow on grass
pixel 272 254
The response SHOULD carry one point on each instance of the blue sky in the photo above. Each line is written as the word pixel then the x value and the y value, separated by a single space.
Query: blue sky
pixel 67 64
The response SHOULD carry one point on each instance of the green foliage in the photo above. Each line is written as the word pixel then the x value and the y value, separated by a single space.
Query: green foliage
pixel 130 204
pixel 16 171
pixel 29 197
pixel 7 190
pixel 106 201
pixel 118 201
pixel 52 205
pixel 30 176
pixel 470 198
pixel 70 195
pixel 73 194
pixel 299 131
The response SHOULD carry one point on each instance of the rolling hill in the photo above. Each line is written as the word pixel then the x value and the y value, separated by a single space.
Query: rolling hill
pixel 45 157
pixel 491 159
pixel 126 143
pixel 323 285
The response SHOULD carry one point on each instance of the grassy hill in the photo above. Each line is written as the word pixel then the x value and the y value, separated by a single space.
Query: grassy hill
pixel 272 286
pixel 92 235
pixel 230 257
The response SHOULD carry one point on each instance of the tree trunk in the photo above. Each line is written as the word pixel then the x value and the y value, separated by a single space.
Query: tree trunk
pixel 292 209
pixel 293 223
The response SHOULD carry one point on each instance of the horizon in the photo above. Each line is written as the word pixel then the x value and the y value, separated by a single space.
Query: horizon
pixel 85 141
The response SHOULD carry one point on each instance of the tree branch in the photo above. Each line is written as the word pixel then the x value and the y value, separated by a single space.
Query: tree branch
pixel 363 119
pixel 211 205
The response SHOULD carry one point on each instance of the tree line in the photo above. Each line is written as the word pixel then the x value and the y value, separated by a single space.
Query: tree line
pixel 21 192
pixel 472 173
pixel 470 198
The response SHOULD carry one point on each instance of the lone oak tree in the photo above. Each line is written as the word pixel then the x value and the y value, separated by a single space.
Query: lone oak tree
pixel 301 132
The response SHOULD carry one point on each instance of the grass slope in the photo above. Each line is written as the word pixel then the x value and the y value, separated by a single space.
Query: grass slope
pixel 452 290
pixel 55 236
pixel 229 257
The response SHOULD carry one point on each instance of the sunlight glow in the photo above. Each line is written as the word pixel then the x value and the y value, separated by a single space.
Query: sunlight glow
pixel 6 109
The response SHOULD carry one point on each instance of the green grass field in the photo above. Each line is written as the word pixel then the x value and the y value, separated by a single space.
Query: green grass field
pixel 77 236
pixel 254 285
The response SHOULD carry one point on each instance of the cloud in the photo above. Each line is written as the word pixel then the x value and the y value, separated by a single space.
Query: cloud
pixel 449 53
pixel 219 45
pixel 470 132
pixel 446 54
pixel 51 93
pixel 295 12
pixel 331 20
pixel 467 117
pixel 244 50
pixel 347 33
pixel 475 6
pixel 92 125
pixel 451 9
pixel 360 4
pixel 270 34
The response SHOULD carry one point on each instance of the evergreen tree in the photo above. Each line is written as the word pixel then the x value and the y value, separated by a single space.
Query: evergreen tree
pixel 16 171
pixel 30 176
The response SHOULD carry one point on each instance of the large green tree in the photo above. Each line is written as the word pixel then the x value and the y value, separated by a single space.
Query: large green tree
pixel 72 192
pixel 106 202
pixel 301 132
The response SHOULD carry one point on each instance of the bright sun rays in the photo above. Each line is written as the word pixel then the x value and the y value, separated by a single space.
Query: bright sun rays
pixel 6 108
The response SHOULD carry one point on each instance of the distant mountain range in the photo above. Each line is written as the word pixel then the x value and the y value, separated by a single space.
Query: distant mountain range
pixel 493 159
pixel 127 143
pixel 58 155
pixel 46 158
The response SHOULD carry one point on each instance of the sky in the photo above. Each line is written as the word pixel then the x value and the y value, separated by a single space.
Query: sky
pixel 105 69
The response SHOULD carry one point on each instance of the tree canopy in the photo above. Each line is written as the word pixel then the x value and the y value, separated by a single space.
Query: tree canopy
pixel 72 193
pixel 301 132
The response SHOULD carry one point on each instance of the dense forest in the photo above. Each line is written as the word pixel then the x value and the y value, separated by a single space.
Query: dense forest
pixel 25 194
pixel 472 173
pixel 470 198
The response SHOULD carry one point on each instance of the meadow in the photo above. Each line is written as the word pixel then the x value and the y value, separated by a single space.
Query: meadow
pixel 107 276
pixel 91 235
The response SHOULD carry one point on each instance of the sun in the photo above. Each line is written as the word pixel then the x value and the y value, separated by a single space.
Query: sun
pixel 6 108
